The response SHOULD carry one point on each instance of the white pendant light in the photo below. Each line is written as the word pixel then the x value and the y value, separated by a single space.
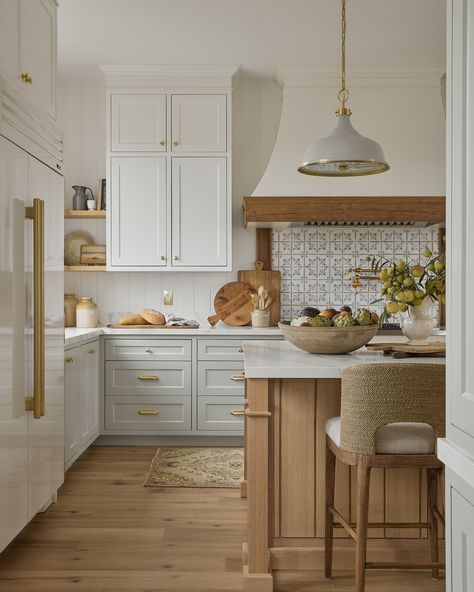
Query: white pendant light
pixel 344 153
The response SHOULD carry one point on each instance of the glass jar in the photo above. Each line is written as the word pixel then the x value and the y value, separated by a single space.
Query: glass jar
pixel 70 303
pixel 261 317
pixel 86 313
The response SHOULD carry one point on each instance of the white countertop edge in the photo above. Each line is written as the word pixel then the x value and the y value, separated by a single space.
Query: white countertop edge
pixel 75 335
pixel 456 460
pixel 280 359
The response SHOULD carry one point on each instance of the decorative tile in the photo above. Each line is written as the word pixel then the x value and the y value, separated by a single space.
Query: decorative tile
pixel 314 262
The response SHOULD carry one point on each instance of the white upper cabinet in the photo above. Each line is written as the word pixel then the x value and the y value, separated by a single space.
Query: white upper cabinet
pixel 199 123
pixel 138 123
pixel 137 211
pixel 28 41
pixel 199 212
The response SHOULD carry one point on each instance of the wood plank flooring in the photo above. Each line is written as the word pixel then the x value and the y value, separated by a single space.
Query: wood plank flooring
pixel 107 533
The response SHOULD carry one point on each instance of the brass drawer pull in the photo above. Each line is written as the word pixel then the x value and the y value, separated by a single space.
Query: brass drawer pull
pixel 148 377
pixel 92 351
pixel 237 412
pixel 238 377
pixel 241 350
pixel 148 412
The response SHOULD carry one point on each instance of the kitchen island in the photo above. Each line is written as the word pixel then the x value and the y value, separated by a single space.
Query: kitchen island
pixel 289 396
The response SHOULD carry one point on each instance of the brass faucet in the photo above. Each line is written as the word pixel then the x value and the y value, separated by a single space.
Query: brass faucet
pixel 356 274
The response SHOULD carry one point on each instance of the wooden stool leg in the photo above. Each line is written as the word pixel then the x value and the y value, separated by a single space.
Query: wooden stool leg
pixel 432 488
pixel 329 528
pixel 363 487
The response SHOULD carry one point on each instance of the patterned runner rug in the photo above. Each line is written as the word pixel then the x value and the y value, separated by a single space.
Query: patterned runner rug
pixel 196 466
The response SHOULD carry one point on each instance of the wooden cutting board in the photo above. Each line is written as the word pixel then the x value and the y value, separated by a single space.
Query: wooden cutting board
pixel 405 350
pixel 271 281
pixel 233 305
pixel 150 326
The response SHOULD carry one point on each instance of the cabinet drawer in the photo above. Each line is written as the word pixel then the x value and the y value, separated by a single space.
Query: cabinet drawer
pixel 148 349
pixel 221 378
pixel 147 413
pixel 148 378
pixel 224 413
pixel 220 349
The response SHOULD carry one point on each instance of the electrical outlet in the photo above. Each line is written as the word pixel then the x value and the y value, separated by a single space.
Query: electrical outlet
pixel 167 297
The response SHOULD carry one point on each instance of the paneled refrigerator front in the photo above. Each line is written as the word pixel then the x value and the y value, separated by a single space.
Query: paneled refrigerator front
pixel 31 338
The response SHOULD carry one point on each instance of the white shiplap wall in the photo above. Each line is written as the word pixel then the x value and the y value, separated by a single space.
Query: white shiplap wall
pixel 256 116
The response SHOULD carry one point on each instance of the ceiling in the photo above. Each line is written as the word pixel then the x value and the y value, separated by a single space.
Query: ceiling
pixel 261 35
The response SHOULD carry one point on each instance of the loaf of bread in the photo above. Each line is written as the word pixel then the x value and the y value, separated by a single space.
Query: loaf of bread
pixel 135 319
pixel 153 316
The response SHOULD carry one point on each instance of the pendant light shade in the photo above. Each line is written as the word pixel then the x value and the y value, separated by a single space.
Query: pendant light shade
pixel 344 153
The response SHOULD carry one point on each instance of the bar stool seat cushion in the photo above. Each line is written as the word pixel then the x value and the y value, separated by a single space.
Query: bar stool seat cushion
pixel 393 438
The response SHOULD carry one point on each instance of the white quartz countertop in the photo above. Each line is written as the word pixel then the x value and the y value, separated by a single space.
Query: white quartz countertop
pixel 280 359
pixel 74 336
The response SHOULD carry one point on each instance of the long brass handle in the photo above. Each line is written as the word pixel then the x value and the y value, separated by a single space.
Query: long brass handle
pixel 148 377
pixel 36 403
pixel 237 412
pixel 148 412
pixel 238 377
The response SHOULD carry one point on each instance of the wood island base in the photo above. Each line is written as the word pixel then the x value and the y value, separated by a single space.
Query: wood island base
pixel 285 485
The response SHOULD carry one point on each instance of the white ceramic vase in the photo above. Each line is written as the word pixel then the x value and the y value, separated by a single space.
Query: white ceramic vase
pixel 417 324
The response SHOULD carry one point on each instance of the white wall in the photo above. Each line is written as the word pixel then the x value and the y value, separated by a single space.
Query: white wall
pixel 256 115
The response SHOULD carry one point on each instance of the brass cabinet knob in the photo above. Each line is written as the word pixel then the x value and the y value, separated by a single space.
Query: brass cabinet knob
pixel 241 350
pixel 176 258
pixel 69 360
pixel 92 351
pixel 176 143
pixel 163 258
pixel 162 143
pixel 27 79
pixel 148 350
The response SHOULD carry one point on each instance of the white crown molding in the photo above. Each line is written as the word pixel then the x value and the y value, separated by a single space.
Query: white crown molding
pixel 321 77
pixel 172 75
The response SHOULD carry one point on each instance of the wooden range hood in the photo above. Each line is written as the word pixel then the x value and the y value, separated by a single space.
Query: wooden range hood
pixel 267 211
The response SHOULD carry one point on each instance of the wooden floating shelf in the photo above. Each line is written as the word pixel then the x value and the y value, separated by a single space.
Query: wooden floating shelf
pixel 83 214
pixel 86 268
pixel 278 209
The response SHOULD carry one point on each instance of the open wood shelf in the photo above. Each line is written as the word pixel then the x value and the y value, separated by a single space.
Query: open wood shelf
pixel 77 214
pixel 95 268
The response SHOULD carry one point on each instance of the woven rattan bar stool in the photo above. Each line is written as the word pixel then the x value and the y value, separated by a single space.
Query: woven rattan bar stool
pixel 391 415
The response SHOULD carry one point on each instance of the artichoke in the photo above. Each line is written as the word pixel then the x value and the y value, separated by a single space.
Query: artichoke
pixel 344 321
pixel 362 316
pixel 320 322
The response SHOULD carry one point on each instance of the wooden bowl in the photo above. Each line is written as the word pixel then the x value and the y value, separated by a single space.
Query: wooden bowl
pixel 328 340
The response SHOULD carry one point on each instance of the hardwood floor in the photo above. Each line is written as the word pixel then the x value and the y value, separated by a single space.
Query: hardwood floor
pixel 107 533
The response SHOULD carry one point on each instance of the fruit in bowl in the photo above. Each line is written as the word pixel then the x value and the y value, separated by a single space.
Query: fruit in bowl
pixel 332 331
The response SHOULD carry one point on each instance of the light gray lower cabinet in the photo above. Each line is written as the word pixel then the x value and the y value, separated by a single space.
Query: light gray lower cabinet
pixel 176 386
pixel 81 399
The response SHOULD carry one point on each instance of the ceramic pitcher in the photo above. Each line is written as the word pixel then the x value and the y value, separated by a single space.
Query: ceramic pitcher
pixel 79 199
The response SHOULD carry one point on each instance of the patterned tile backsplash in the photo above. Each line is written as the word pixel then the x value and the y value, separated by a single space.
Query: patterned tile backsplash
pixel 314 262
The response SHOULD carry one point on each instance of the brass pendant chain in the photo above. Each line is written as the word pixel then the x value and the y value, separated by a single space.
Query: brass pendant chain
pixel 343 93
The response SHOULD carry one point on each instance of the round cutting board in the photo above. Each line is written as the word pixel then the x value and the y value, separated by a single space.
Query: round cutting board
pixel 233 305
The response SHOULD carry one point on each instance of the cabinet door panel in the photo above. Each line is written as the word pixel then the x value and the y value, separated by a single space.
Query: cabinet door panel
pixel 88 409
pixel 462 539
pixel 10 38
pixel 199 212
pixel 199 123
pixel 38 52
pixel 71 407
pixel 138 212
pixel 139 123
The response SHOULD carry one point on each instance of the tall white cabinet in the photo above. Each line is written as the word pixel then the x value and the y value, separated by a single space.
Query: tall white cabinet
pixel 169 168
pixel 457 449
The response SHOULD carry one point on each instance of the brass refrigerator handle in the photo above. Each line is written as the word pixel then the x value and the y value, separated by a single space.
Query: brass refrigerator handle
pixel 36 403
